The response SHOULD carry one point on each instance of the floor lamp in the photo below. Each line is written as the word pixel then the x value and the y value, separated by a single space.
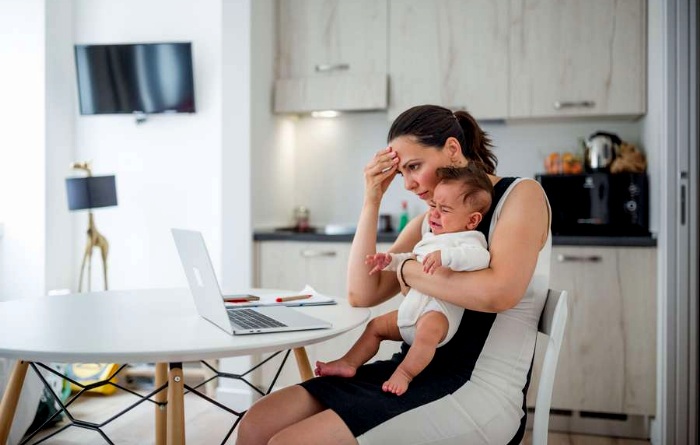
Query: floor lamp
pixel 87 193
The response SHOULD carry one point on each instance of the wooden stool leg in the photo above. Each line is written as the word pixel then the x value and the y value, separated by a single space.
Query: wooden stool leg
pixel 8 406
pixel 176 405
pixel 303 364
pixel 161 397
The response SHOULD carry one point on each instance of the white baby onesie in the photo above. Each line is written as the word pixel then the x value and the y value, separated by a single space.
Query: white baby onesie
pixel 460 251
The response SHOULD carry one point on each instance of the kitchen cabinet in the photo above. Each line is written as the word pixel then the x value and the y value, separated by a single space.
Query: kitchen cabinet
pixel 331 55
pixel 577 58
pixel 291 265
pixel 607 362
pixel 452 53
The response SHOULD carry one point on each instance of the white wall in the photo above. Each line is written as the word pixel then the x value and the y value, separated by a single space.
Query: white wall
pixel 22 154
pixel 168 169
pixel 273 138
pixel 329 156
pixel 61 269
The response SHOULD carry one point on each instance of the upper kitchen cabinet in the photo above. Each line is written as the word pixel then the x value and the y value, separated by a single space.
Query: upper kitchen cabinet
pixel 331 55
pixel 577 58
pixel 452 53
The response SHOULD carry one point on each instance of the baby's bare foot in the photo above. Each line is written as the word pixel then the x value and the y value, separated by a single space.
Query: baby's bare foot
pixel 397 383
pixel 336 367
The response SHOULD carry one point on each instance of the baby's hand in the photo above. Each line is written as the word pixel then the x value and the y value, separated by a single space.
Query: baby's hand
pixel 379 261
pixel 432 261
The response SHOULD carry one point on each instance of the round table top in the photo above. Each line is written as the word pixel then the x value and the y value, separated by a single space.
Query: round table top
pixel 155 325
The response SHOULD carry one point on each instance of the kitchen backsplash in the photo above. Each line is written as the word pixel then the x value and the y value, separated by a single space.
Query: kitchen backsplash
pixel 327 158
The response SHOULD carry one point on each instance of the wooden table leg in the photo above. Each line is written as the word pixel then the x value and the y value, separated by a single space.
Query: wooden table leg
pixel 303 364
pixel 8 406
pixel 161 397
pixel 176 405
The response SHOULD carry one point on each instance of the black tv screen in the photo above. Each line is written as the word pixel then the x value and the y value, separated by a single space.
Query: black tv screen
pixel 132 78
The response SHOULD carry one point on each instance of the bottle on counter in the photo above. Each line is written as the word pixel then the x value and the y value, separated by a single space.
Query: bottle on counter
pixel 403 218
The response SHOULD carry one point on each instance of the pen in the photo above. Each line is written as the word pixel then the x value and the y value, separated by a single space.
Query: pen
pixel 293 298
pixel 228 300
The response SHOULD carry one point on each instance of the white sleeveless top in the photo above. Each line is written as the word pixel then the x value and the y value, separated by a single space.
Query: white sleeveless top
pixel 488 408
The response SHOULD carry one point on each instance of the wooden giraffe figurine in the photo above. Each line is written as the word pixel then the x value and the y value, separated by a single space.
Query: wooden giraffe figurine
pixel 95 239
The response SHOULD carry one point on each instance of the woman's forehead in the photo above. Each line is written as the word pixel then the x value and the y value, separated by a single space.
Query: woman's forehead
pixel 410 145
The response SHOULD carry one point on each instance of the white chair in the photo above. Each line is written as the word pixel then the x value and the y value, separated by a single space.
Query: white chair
pixel 552 323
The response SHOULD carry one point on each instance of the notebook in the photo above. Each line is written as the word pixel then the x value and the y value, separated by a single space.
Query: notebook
pixel 210 304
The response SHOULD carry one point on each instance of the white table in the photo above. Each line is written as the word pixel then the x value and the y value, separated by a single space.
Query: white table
pixel 159 325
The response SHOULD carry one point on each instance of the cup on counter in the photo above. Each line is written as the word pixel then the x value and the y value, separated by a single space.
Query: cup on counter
pixel 385 224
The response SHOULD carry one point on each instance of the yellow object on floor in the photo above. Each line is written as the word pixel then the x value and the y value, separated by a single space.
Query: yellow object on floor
pixel 88 373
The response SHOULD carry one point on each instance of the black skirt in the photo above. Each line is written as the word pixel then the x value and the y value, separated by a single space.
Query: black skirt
pixel 360 400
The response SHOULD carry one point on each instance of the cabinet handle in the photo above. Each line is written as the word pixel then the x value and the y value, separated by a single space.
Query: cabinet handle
pixel 324 68
pixel 580 259
pixel 310 253
pixel 559 105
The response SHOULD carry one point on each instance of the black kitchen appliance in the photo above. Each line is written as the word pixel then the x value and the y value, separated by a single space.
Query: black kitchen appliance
pixel 598 204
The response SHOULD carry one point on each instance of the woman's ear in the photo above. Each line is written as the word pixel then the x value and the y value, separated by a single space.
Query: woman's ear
pixel 474 220
pixel 454 149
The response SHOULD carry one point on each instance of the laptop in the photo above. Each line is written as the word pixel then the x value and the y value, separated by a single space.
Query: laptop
pixel 210 303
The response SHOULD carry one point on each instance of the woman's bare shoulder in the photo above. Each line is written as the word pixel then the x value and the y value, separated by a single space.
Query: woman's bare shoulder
pixel 526 192
pixel 526 206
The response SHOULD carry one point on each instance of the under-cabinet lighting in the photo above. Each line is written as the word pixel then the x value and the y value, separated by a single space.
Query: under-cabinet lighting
pixel 325 113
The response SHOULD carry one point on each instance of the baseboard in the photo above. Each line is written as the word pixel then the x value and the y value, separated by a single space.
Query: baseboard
pixel 603 424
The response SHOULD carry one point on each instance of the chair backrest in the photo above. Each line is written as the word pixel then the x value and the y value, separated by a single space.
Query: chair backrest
pixel 553 324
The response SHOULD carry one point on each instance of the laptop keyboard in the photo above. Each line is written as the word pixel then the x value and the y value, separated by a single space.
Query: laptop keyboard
pixel 250 319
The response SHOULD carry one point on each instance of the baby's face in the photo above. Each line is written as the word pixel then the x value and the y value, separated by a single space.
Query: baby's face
pixel 447 211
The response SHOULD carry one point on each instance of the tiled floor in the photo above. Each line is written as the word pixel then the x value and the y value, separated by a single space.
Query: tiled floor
pixel 207 424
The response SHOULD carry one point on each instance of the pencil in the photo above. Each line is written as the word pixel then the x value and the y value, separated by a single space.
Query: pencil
pixel 292 298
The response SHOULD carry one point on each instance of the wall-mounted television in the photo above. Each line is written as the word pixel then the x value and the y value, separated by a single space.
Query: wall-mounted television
pixel 135 78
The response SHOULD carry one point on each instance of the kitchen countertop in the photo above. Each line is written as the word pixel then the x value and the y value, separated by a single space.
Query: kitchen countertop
pixel 389 237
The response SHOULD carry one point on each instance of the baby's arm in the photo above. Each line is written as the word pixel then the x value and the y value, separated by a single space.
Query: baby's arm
pixel 386 261
pixel 432 261
pixel 466 256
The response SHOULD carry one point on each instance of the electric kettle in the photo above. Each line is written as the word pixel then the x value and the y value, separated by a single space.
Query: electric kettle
pixel 599 151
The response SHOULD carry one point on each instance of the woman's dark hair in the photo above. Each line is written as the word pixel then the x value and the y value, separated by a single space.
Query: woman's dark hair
pixel 478 190
pixel 431 125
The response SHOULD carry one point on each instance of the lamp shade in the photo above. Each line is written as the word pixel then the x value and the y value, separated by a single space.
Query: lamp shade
pixel 91 192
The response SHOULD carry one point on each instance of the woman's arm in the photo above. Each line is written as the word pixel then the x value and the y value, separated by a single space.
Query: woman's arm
pixel 364 289
pixel 518 236
pixel 369 290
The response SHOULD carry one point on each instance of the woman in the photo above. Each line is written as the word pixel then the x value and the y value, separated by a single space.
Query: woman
pixel 473 390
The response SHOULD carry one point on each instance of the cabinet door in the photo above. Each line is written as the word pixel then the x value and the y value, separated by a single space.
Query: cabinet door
pixel 331 54
pixel 280 265
pixel 607 361
pixel 577 58
pixel 452 53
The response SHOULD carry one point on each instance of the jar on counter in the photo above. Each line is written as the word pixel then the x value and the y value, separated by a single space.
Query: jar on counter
pixel 301 219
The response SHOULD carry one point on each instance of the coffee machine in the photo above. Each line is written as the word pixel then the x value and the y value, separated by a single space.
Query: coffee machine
pixel 598 204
